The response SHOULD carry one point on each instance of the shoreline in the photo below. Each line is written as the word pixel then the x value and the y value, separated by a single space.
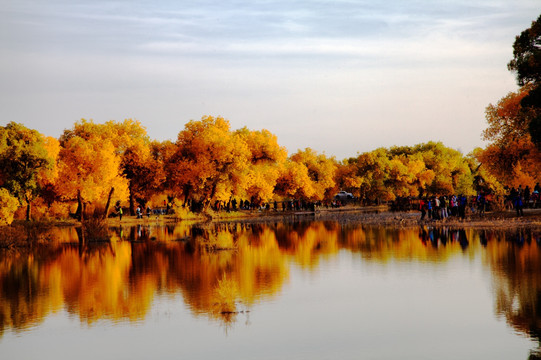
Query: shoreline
pixel 372 215
pixel 375 215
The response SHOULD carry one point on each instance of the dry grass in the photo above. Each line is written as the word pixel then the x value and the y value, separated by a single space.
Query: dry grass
pixel 95 229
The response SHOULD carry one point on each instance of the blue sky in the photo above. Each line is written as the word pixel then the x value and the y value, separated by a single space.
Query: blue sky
pixel 341 76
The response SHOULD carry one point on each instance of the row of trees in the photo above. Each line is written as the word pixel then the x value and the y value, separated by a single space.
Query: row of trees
pixel 101 164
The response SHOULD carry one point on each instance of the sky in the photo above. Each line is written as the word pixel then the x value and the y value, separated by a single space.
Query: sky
pixel 341 77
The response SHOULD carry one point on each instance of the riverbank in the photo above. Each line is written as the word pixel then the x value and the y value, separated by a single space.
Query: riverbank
pixel 374 215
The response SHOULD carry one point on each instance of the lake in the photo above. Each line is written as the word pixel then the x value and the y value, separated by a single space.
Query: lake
pixel 298 290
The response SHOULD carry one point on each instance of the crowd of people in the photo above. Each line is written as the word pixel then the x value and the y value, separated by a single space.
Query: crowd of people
pixel 441 207
pixel 286 205
pixel 520 198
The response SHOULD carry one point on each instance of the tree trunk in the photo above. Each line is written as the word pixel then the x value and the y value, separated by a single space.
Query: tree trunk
pixel 106 211
pixel 212 193
pixel 28 209
pixel 80 206
pixel 132 205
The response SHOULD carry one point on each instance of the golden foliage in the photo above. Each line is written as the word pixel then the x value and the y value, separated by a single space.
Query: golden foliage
pixel 8 205
pixel 208 157
pixel 89 164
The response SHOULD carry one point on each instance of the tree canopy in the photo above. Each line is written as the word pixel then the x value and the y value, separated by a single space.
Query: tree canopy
pixel 23 155
pixel 526 63
pixel 511 155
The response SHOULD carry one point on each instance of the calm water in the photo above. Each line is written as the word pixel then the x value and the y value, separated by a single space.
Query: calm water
pixel 315 290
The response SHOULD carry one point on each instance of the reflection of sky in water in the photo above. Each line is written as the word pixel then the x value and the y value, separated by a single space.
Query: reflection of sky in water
pixel 323 293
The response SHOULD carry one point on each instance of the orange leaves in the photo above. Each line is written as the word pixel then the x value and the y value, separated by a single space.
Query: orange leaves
pixel 511 157
pixel 507 120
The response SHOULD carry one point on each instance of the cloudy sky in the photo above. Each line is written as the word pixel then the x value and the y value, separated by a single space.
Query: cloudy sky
pixel 341 76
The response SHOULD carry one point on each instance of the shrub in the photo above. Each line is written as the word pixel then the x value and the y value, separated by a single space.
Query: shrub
pixel 95 229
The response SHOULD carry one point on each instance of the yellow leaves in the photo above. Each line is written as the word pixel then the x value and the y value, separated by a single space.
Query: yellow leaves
pixel 294 181
pixel 225 296
pixel 50 175
pixel 260 180
pixel 8 206
pixel 409 171
pixel 90 165
pixel 320 170
pixel 263 146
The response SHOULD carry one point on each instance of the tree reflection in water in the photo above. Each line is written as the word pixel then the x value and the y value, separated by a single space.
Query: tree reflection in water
pixel 515 259
pixel 222 270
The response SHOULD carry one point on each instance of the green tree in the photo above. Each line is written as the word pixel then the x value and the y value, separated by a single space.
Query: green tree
pixel 22 156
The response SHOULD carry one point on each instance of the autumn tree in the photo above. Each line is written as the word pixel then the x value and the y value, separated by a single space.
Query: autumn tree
pixel 144 172
pixel 209 161
pixel 449 168
pixel 267 159
pixel 23 156
pixel 131 144
pixel 526 63
pixel 511 155
pixel 384 174
pixel 140 160
pixel 90 167
pixel 347 176
pixel 294 181
pixel 373 167
pixel 317 181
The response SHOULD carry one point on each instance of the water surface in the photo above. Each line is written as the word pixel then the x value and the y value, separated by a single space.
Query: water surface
pixel 307 290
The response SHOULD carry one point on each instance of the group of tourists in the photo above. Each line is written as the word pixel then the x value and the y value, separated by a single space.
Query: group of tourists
pixel 441 207
pixel 520 198
pixel 139 212
pixel 286 205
